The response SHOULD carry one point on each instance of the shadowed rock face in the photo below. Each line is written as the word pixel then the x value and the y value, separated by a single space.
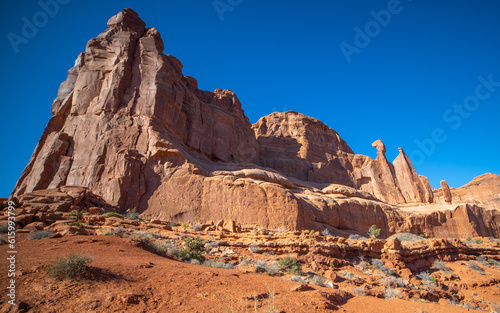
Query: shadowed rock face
pixel 130 127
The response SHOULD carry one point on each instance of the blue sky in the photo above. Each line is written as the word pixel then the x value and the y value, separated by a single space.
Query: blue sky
pixel 421 75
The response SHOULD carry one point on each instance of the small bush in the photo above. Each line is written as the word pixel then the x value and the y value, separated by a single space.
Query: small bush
pixel 422 236
pixel 392 293
pixel 76 224
pixel 474 266
pixel 378 264
pixel 325 232
pixel 297 279
pixel 357 237
pixel 270 269
pixel 291 265
pixel 113 214
pixel 133 215
pixel 482 260
pixel 119 231
pixel 440 265
pixel 76 215
pixel 373 231
pixel 358 291
pixel 196 227
pixel 147 241
pixel 253 248
pixel 494 263
pixel 193 249
pixel 40 234
pixel 479 241
pixel 71 266
pixel 212 263
pixel 407 237
pixel 319 280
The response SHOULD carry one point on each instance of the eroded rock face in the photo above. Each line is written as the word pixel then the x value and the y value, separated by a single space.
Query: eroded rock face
pixel 483 191
pixel 130 127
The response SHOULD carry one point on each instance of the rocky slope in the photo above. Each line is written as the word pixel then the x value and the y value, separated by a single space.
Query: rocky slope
pixel 131 128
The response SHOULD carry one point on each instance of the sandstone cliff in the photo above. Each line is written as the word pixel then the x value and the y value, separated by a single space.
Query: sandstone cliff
pixel 130 127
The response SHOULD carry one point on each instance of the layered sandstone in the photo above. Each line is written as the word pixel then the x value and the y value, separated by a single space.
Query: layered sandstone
pixel 131 128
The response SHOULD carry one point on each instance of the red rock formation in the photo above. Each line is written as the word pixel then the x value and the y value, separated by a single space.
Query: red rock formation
pixel 483 191
pixel 130 127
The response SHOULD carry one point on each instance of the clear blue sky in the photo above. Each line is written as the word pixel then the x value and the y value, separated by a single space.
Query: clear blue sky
pixel 399 87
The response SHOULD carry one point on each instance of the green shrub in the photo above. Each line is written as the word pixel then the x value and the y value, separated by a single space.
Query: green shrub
pixel 373 231
pixel 479 241
pixel 118 231
pixel 193 249
pixel 133 215
pixel 71 266
pixel 440 265
pixel 113 214
pixel 40 234
pixel 422 236
pixel 76 215
pixel 290 265
pixel 77 225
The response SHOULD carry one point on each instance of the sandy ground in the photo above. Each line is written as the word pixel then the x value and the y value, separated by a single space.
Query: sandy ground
pixel 126 278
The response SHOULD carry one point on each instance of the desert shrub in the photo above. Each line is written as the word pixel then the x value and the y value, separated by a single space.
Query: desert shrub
pixel 494 263
pixel 479 241
pixel 118 231
pixel 358 291
pixel 281 230
pixel 407 237
pixel 133 215
pixel 363 266
pixel 357 237
pixel 228 266
pixel 76 224
pixel 469 239
pixel 113 214
pixel 147 241
pixel 297 279
pixel 193 249
pixel 319 280
pixel 71 266
pixel 440 265
pixel 422 236
pixel 482 260
pixel 40 234
pixel 325 232
pixel 391 293
pixel 213 263
pixel 378 264
pixel 373 231
pixel 3 241
pixel 289 264
pixel 76 215
pixel 196 227
pixel 474 266
pixel 246 262
pixel 270 269
pixel 253 248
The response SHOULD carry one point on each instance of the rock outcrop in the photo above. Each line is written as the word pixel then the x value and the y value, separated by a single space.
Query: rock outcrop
pixel 130 127
pixel 483 191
